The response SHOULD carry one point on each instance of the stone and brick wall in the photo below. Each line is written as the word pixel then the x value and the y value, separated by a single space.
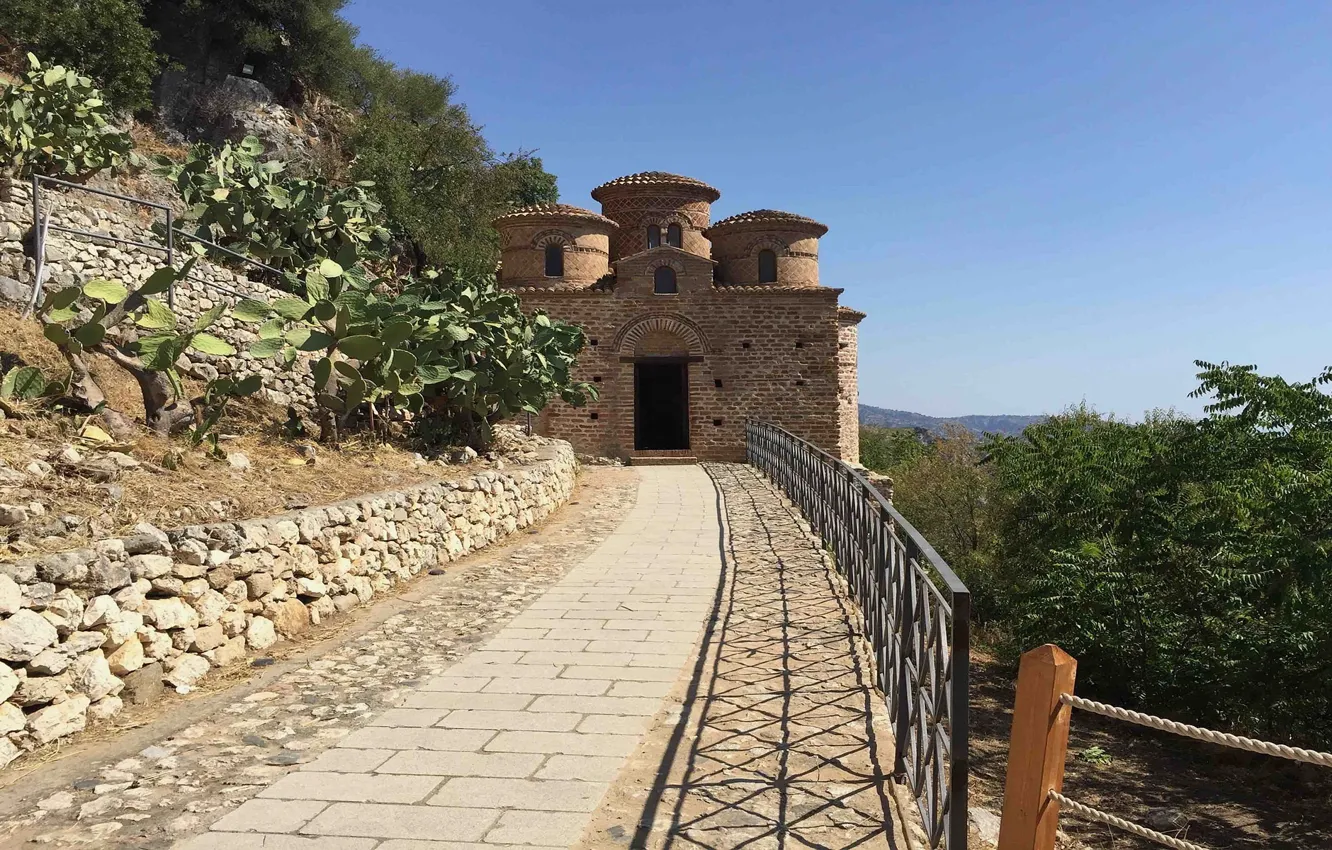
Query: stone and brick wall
pixel 848 385
pixel 74 260
pixel 83 631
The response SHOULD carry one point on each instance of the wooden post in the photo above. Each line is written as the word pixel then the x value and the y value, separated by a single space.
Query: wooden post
pixel 1036 749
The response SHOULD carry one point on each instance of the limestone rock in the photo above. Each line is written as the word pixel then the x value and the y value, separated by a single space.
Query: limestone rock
pixel 81 642
pixel 147 539
pixel 8 752
pixel 66 567
pixel 40 690
pixel 12 718
pixel 59 720
pixel 260 633
pixel 149 566
pixel 127 657
pixel 11 596
pixel 100 611
pixel 228 653
pixel 49 662
pixel 168 586
pixel 13 514
pixel 172 613
pixel 289 617
pixel 25 634
pixel 187 670
pixel 208 637
pixel 93 678
pixel 105 709
pixel 144 685
pixel 124 628
pixel 259 585
pixel 190 553
pixel 8 682
pixel 106 575
pixel 210 605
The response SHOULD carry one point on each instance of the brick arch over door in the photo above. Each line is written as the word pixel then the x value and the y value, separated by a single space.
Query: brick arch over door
pixel 627 338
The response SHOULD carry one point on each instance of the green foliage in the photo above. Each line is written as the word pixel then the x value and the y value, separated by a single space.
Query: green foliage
pixel 212 405
pixel 27 383
pixel 241 201
pixel 440 182
pixel 55 123
pixel 106 39
pixel 1186 564
pixel 885 449
pixel 463 351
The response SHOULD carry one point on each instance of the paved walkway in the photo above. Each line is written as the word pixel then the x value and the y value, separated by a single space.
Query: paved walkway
pixel 518 743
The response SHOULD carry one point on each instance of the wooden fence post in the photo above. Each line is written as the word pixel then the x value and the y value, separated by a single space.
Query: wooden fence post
pixel 1036 749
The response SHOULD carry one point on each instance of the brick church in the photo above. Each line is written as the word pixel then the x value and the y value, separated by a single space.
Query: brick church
pixel 691 326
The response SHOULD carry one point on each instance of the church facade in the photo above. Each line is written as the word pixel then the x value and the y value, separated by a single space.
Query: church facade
pixel 692 326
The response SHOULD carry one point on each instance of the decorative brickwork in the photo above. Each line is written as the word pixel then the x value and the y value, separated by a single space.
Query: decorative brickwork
pixel 783 351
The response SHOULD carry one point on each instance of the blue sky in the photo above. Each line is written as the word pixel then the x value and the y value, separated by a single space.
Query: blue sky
pixel 1036 203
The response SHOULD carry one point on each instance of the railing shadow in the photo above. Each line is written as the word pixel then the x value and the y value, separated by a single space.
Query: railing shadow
pixel 776 745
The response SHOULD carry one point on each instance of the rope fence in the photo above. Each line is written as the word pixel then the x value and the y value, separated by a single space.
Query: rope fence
pixel 1038 749
pixel 1108 819
pixel 1222 738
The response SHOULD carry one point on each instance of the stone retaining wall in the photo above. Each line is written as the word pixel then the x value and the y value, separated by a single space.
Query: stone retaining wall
pixel 74 260
pixel 86 630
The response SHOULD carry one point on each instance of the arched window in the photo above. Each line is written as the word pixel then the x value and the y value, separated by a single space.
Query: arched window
pixel 663 281
pixel 555 260
pixel 767 262
pixel 654 236
pixel 673 235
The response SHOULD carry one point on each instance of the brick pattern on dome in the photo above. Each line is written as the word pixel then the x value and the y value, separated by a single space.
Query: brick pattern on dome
pixel 553 211
pixel 771 217
pixel 656 179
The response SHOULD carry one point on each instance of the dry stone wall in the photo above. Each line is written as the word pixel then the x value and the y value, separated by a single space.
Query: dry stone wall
pixel 73 260
pixel 84 631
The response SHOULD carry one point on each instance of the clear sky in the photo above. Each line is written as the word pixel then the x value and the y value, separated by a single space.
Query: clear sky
pixel 1037 203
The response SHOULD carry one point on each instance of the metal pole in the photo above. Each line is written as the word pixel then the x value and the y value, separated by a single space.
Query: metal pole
pixel 38 248
pixel 959 721
pixel 905 638
pixel 170 257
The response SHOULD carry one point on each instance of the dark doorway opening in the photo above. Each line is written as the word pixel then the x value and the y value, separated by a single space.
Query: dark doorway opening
pixel 661 406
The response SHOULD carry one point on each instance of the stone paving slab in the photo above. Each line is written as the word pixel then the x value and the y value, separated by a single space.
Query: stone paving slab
pixel 516 745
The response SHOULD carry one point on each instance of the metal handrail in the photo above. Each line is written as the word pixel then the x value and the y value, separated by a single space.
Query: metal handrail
pixel 171 231
pixel 918 630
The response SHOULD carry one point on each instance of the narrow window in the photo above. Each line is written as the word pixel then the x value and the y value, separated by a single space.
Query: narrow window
pixel 673 235
pixel 767 266
pixel 654 236
pixel 554 261
pixel 663 281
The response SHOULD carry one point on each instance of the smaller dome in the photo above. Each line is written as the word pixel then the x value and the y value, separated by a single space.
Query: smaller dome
pixel 775 219
pixel 551 212
pixel 657 178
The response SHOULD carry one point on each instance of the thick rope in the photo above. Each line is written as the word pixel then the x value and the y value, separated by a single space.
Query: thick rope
pixel 1074 807
pixel 1222 738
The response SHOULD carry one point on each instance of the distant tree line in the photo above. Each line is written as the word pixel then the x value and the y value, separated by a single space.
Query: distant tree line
pixel 1187 563
pixel 439 180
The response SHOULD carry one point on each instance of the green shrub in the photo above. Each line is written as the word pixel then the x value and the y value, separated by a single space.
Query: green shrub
pixel 462 351
pixel 106 39
pixel 243 202
pixel 55 123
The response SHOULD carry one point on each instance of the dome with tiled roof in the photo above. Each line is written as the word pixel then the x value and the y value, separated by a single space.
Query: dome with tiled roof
pixel 775 219
pixel 649 179
pixel 553 212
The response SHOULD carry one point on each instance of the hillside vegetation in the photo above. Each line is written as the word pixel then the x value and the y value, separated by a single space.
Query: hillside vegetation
pixel 1186 563
pixel 882 417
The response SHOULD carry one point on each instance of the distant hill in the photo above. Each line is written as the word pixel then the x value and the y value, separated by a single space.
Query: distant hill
pixel 885 418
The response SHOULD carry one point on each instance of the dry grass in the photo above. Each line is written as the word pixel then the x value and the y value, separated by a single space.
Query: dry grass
pixel 200 488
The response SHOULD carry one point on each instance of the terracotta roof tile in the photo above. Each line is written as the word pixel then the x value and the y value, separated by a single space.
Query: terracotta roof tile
pixel 657 178
pixel 552 211
pixel 769 217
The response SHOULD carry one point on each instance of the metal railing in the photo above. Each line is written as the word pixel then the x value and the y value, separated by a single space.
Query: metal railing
pixel 42 225
pixel 916 612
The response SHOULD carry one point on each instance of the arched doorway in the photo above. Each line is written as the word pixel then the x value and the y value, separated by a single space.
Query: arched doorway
pixel 660 348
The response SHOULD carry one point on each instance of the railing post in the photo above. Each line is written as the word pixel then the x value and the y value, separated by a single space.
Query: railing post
pixel 1036 749
pixel 959 715
pixel 170 256
pixel 905 639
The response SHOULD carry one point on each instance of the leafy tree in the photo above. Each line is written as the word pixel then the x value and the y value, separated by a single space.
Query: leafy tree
pixel 54 122
pixel 440 182
pixel 886 449
pixel 106 39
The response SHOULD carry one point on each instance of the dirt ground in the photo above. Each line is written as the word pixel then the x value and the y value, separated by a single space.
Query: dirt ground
pixel 282 473
pixel 1230 799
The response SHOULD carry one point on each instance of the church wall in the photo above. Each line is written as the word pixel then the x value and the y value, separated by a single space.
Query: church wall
pixel 774 352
